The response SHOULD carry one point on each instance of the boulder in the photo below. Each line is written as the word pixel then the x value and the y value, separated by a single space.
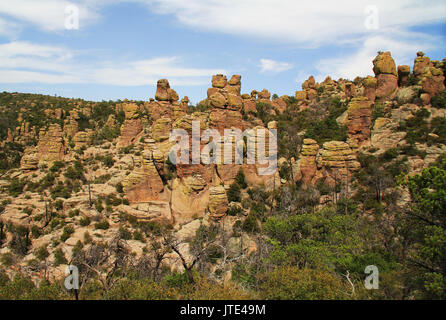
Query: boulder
pixel 219 81
pixel 384 64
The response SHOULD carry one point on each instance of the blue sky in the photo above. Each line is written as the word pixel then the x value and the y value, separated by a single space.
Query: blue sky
pixel 122 47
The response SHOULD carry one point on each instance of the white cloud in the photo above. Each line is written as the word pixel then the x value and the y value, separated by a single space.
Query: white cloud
pixel 49 15
pixel 307 22
pixel 271 66
pixel 24 62
pixel 147 72
pixel 402 46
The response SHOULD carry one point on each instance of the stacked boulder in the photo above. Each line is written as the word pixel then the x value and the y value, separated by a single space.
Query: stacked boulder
pixel 226 102
pixel 387 79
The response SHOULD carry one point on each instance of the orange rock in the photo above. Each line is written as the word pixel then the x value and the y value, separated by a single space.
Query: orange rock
pixel 359 120
pixel 51 145
pixel 387 86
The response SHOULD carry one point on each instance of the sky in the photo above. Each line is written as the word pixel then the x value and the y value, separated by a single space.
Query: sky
pixel 116 49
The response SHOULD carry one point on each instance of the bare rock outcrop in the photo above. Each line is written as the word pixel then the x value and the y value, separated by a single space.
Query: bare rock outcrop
pixel 51 145
pixel 385 71
pixel 144 183
pixel 132 127
pixel 218 202
pixel 359 120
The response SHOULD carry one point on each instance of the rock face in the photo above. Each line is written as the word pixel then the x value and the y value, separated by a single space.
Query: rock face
pixel 385 71
pixel 333 163
pixel 403 75
pixel 29 160
pixel 307 163
pixel 81 140
pixel 338 160
pixel 407 94
pixel 420 63
pixel 71 126
pixel 164 92
pixel 359 120
pixel 51 145
pixel 218 202
pixel 432 81
pixel 383 135
pixel 144 183
pixel 161 129
pixel 132 126
pixel 370 85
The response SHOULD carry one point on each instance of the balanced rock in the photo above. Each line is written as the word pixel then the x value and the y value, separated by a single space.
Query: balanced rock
pixel 384 64
pixel 385 72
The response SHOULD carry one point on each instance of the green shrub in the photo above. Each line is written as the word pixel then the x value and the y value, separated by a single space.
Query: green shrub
pixel 119 188
pixel 439 101
pixel 240 179
pixel 59 257
pixel 67 232
pixel 138 236
pixel 16 186
pixel 102 225
pixel 234 193
pixel 42 253
pixel 84 221
pixel 124 234
pixel 108 161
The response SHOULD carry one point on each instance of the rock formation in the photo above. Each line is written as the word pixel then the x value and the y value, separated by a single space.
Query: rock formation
pixel 359 120
pixel 51 145
pixel 132 126
pixel 385 71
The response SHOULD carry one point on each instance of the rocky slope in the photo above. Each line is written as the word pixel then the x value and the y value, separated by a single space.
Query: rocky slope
pixel 89 170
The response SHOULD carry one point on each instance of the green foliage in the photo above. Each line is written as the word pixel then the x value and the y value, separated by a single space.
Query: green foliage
pixel 16 186
pixel 119 188
pixel 426 225
pixel 438 127
pixel 108 161
pixel 124 234
pixel 264 112
pixel 42 253
pixel 326 130
pixel 67 232
pixel 439 101
pixel 59 257
pixel 240 179
pixel 20 240
pixel 84 221
pixel 378 111
pixel 57 165
pixel 234 193
pixel 102 225
pixel 292 283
